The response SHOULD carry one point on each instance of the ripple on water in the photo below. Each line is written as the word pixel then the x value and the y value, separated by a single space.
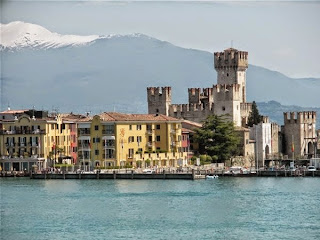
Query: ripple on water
pixel 229 208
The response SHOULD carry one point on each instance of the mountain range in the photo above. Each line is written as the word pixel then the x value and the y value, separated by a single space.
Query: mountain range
pixel 105 73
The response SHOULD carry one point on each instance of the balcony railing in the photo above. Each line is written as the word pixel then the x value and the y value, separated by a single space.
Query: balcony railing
pixel 107 132
pixel 84 132
pixel 108 145
pixel 22 144
pixel 173 131
pixel 81 146
pixel 10 144
pixel 18 131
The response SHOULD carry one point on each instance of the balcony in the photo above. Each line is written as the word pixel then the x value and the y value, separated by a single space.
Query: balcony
pixel 83 146
pixel 149 144
pixel 173 131
pixel 83 157
pixel 149 131
pixel 9 145
pixel 107 132
pixel 39 131
pixel 110 146
pixel 26 131
pixel 22 144
pixel 83 132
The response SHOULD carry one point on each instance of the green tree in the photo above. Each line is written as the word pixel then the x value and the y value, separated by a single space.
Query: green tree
pixel 217 137
pixel 254 117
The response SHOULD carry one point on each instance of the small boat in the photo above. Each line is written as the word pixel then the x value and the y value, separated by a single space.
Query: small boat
pixel 211 176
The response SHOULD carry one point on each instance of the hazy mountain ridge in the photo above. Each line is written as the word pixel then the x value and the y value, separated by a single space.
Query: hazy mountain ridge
pixel 275 111
pixel 113 73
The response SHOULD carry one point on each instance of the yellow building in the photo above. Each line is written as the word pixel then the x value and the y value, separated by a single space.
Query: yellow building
pixel 117 139
pixel 26 140
pixel 22 143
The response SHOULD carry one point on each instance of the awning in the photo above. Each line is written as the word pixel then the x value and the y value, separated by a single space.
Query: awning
pixel 108 138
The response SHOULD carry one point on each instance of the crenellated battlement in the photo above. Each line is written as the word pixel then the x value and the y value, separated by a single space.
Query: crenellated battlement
pixel 300 117
pixel 226 92
pixel 159 100
pixel 159 91
pixel 198 95
pixel 231 58
pixel 246 107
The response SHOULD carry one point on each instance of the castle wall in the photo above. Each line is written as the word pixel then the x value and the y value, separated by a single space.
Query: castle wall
pixel 245 110
pixel 300 134
pixel 275 143
pixel 192 112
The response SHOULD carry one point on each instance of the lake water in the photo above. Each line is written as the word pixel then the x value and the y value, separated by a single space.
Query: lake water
pixel 224 208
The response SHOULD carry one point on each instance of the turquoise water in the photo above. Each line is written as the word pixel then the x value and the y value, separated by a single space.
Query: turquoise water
pixel 224 208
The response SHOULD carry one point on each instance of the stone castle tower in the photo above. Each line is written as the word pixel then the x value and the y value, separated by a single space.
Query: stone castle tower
pixel 300 135
pixel 159 100
pixel 227 97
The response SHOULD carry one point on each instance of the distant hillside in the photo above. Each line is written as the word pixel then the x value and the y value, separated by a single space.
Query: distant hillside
pixel 106 73
pixel 275 111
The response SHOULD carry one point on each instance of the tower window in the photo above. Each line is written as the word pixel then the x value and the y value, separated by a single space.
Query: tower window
pixel 223 108
pixel 227 74
pixel 157 110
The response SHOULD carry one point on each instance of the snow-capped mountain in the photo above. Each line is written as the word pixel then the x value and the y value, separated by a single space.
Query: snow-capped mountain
pixel 17 35
pixel 20 35
pixel 114 71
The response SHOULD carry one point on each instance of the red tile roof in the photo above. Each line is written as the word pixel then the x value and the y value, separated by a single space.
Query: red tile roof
pixel 114 116
pixel 13 111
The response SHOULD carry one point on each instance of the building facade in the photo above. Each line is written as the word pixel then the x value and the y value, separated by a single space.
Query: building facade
pixel 138 140
pixel 27 141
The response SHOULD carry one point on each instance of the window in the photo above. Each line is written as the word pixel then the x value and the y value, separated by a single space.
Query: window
pixel 138 127
pixel 158 126
pixel 96 127
pixel 179 138
pixel 130 127
pixel 130 155
pixel 158 138
pixel 109 153
pixel 139 139
pixel 131 139
pixel 96 152
pixel 223 108
pixel 150 138
pixel 109 129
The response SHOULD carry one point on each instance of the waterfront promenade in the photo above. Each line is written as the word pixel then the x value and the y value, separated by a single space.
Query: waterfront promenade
pixel 187 174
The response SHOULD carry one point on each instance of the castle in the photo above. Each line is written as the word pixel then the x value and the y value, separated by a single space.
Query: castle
pixel 227 97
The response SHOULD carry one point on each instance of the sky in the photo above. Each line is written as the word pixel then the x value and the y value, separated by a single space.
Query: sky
pixel 279 35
